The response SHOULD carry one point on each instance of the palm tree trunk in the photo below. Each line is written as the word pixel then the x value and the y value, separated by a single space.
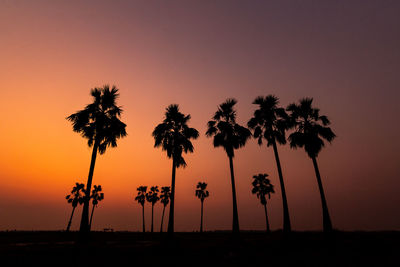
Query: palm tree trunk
pixel 235 220
pixel 171 207
pixel 286 218
pixel 91 218
pixel 266 218
pixel 201 218
pixel 327 224
pixel 162 219
pixel 152 212
pixel 70 219
pixel 84 228
pixel 143 224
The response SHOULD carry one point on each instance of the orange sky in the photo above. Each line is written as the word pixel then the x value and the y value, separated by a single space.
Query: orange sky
pixel 344 55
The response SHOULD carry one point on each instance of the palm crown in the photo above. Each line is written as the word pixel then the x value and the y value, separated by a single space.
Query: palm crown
pixel 165 195
pixel 97 195
pixel 310 127
pixel 227 133
pixel 262 187
pixel 152 195
pixel 269 121
pixel 201 191
pixel 77 195
pixel 141 197
pixel 174 135
pixel 99 121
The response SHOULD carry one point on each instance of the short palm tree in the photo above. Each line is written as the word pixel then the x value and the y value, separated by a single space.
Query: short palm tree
pixel 263 187
pixel 141 199
pixel 173 135
pixel 164 197
pixel 152 197
pixel 230 135
pixel 76 197
pixel 99 123
pixel 202 194
pixel 310 128
pixel 269 122
pixel 96 197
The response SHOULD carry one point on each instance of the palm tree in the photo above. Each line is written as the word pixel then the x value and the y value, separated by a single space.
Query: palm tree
pixel 269 122
pixel 263 187
pixel 310 128
pixel 75 198
pixel 96 197
pixel 99 123
pixel 230 135
pixel 165 196
pixel 152 197
pixel 174 135
pixel 141 199
pixel 201 193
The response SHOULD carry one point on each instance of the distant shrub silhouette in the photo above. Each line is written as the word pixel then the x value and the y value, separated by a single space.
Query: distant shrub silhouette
pixel 76 197
pixel 96 197
pixel 202 194
pixel 99 123
pixel 230 135
pixel 141 199
pixel 270 122
pixel 164 197
pixel 310 128
pixel 262 187
pixel 152 197
pixel 173 135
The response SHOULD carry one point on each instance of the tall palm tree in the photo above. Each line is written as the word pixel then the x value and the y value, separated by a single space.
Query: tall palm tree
pixel 141 199
pixel 263 187
pixel 230 135
pixel 96 197
pixel 75 198
pixel 99 123
pixel 201 193
pixel 164 197
pixel 269 122
pixel 173 135
pixel 152 197
pixel 310 128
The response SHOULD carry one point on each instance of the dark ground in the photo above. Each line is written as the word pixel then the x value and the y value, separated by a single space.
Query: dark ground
pixel 195 249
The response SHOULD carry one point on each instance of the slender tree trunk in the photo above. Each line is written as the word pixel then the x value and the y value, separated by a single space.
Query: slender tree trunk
pixel 84 228
pixel 143 223
pixel 201 218
pixel 286 218
pixel 91 218
pixel 327 224
pixel 162 219
pixel 152 212
pixel 235 220
pixel 172 205
pixel 266 218
pixel 70 219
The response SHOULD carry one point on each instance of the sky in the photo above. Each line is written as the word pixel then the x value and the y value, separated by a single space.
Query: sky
pixel 344 54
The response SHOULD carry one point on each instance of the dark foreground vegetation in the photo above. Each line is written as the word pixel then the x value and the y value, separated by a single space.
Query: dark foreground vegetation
pixel 206 249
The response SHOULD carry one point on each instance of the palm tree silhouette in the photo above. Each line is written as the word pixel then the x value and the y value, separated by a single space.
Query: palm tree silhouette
pixel 75 198
pixel 164 197
pixel 269 122
pixel 141 199
pixel 152 197
pixel 96 197
pixel 310 130
pixel 99 123
pixel 174 135
pixel 230 135
pixel 201 193
pixel 263 187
